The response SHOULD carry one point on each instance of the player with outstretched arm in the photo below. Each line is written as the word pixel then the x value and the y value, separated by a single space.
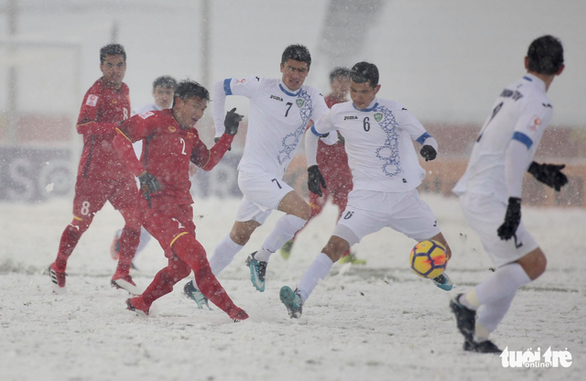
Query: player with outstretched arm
pixel 171 142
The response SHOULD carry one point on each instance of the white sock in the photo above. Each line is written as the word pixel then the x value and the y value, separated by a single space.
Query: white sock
pixel 224 253
pixel 145 237
pixel 284 230
pixel 319 268
pixel 496 293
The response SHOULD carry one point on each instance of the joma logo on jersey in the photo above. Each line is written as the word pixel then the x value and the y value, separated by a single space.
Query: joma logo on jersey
pixel 350 117
pixel 516 95
pixel 277 98
pixel 300 102
pixel 378 116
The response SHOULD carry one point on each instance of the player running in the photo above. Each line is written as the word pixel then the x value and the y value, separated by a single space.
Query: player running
pixel 490 193
pixel 170 143
pixel 333 161
pixel 280 110
pixel 101 176
pixel 385 172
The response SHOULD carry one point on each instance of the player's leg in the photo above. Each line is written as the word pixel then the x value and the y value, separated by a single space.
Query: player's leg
pixel 316 204
pixel 519 261
pixel 124 198
pixel 88 200
pixel 340 191
pixel 192 252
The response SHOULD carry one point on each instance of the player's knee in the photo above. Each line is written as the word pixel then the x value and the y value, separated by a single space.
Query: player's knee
pixel 304 212
pixel 534 264
pixel 335 248
pixel 179 270
pixel 79 226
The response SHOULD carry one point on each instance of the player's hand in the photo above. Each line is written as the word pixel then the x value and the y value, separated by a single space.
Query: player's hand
pixel 231 121
pixel 549 174
pixel 428 152
pixel 315 181
pixel 512 219
pixel 148 183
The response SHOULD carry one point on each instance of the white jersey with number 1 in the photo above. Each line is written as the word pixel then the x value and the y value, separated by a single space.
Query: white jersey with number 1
pixel 278 118
pixel 520 113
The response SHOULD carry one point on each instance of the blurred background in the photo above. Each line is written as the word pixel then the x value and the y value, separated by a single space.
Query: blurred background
pixel 445 61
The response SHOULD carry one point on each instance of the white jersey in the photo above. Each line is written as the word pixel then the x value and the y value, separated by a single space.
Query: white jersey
pixel 278 118
pixel 521 113
pixel 378 141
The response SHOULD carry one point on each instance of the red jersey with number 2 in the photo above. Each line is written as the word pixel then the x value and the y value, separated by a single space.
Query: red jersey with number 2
pixel 167 151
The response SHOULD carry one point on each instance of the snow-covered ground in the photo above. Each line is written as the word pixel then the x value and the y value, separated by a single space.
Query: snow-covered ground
pixel 371 322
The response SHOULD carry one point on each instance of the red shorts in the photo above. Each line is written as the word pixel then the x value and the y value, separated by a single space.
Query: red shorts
pixel 91 194
pixel 166 225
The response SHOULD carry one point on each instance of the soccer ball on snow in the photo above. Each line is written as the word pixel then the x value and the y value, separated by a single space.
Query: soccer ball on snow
pixel 428 259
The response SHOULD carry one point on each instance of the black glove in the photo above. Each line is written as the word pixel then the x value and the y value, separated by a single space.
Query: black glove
pixel 512 219
pixel 315 179
pixel 149 183
pixel 428 152
pixel 549 174
pixel 231 121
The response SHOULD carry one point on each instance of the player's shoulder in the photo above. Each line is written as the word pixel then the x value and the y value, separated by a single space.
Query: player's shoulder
pixel 391 105
pixel 343 107
pixel 97 88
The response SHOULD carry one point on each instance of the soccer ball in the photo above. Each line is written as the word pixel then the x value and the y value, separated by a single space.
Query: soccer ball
pixel 428 259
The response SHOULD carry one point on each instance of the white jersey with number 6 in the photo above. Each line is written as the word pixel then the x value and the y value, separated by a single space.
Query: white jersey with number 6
pixel 278 118
pixel 379 144
pixel 521 112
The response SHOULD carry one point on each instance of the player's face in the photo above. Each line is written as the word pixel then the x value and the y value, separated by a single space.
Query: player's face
pixel 163 96
pixel 294 74
pixel 188 112
pixel 340 86
pixel 362 94
pixel 113 68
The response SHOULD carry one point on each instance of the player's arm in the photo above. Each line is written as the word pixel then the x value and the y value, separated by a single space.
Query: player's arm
pixel 518 156
pixel 123 145
pixel 231 86
pixel 207 159
pixel 86 122
pixel 315 180
pixel 409 122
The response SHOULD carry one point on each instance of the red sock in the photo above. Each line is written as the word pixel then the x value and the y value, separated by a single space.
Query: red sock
pixel 69 240
pixel 129 240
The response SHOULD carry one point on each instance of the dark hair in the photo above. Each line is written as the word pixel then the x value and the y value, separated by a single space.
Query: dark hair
pixel 364 72
pixel 112 50
pixel 297 53
pixel 165 81
pixel 190 89
pixel 339 72
pixel 546 55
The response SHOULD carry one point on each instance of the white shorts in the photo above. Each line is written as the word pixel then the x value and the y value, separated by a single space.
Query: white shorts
pixel 369 211
pixel 263 193
pixel 486 214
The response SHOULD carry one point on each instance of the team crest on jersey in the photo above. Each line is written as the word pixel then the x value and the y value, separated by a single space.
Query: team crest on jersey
pixel 172 129
pixel 92 100
pixel 190 135
pixel 300 102
pixel 146 114
pixel 114 101
pixel 378 116
pixel 534 123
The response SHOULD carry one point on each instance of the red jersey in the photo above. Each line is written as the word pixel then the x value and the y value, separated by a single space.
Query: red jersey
pixel 102 109
pixel 332 159
pixel 166 153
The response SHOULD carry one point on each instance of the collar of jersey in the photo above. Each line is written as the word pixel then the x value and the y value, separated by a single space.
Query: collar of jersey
pixel 372 105
pixel 286 90
pixel 534 79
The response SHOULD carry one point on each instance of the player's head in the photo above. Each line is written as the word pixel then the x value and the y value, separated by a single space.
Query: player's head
pixel 189 102
pixel 295 63
pixel 113 64
pixel 545 56
pixel 340 82
pixel 163 90
pixel 363 84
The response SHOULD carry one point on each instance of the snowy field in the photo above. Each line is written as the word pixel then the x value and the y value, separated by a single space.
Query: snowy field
pixel 371 322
